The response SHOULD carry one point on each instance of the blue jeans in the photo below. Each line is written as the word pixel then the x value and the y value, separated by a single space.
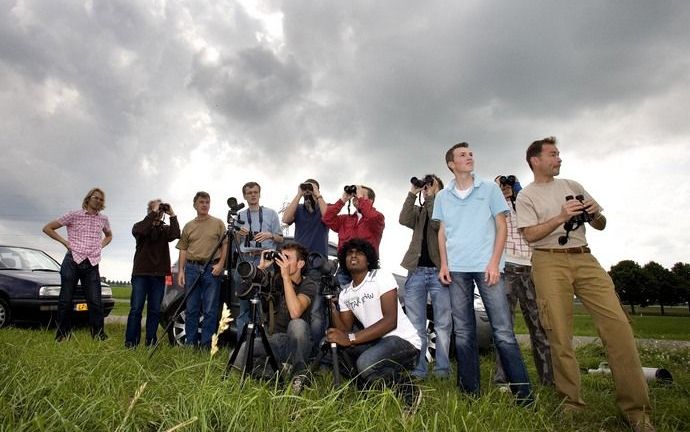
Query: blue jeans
pixel 498 310
pixel 384 359
pixel 204 298
pixel 318 310
pixel 423 281
pixel 151 290
pixel 70 274
pixel 293 347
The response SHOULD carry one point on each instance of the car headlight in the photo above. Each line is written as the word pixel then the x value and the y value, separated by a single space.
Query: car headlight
pixel 106 291
pixel 49 291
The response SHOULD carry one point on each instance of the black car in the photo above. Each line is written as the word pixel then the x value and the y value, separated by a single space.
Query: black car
pixel 30 286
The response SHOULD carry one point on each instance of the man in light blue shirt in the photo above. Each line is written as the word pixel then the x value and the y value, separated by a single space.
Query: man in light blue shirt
pixel 260 230
pixel 471 239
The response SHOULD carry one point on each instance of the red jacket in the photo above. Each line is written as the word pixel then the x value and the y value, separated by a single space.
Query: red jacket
pixel 369 227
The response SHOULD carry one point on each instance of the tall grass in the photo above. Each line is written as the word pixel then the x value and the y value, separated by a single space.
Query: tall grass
pixel 84 385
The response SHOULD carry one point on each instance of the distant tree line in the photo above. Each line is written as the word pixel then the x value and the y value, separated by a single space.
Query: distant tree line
pixel 651 284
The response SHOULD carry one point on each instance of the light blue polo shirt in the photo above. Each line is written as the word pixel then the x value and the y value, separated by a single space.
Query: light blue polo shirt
pixel 470 224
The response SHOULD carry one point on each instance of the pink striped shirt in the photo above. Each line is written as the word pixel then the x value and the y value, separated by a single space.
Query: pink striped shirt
pixel 84 234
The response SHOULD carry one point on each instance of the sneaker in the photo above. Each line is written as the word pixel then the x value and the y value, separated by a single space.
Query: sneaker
pixel 411 395
pixel 503 388
pixel 643 425
pixel 298 382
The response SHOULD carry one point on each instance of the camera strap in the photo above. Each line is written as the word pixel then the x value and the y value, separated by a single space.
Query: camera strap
pixel 261 218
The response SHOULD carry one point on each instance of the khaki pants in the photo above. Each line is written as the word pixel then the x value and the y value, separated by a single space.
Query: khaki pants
pixel 557 276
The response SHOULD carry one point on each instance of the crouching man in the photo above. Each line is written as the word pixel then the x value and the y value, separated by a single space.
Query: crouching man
pixel 388 345
pixel 291 341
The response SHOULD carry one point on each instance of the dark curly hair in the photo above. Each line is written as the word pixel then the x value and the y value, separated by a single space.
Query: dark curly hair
pixel 360 245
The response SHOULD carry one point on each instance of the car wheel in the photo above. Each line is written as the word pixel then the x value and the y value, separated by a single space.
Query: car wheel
pixel 430 341
pixel 177 334
pixel 5 313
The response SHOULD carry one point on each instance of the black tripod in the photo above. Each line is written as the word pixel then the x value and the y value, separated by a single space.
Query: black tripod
pixel 331 348
pixel 230 237
pixel 249 336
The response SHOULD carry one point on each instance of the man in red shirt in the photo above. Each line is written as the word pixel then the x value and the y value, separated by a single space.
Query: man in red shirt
pixel 366 223
pixel 84 243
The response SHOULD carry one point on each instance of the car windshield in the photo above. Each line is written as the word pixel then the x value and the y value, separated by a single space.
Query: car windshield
pixel 17 258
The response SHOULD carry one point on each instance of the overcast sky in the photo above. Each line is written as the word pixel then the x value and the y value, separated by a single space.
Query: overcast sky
pixel 161 99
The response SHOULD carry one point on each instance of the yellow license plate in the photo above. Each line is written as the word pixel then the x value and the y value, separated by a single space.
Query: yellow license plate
pixel 81 307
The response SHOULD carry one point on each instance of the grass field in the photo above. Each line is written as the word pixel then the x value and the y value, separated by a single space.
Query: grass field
pixel 647 322
pixel 93 386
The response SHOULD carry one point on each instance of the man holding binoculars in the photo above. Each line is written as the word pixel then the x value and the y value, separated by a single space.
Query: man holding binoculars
pixel 366 223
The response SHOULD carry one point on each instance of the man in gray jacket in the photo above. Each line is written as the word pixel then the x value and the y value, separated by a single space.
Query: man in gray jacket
pixel 422 261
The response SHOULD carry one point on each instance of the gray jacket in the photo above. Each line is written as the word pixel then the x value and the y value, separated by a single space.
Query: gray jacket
pixel 414 216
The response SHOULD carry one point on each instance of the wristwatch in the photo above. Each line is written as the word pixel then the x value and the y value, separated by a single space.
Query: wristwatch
pixel 352 338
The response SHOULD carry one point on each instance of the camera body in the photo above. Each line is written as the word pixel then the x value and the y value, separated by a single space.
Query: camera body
pixel 350 189
pixel 427 180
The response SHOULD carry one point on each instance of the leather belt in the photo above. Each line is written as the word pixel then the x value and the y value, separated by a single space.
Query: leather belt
pixel 518 268
pixel 202 262
pixel 572 250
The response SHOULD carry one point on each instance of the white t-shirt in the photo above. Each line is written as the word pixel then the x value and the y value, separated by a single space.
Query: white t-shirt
pixel 364 302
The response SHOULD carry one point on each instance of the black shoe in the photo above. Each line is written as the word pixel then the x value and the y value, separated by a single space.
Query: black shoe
pixel 411 395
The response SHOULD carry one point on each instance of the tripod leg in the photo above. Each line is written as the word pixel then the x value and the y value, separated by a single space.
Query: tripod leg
pixel 269 351
pixel 336 364
pixel 235 352
pixel 249 361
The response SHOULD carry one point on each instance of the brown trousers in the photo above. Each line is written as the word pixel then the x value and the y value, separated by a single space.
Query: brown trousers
pixel 557 276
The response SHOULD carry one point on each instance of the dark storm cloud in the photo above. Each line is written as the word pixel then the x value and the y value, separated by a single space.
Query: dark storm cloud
pixel 252 85
pixel 463 72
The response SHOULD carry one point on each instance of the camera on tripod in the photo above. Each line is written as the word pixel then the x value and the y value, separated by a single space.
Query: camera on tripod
pixel 254 280
pixel 428 180
pixel 326 269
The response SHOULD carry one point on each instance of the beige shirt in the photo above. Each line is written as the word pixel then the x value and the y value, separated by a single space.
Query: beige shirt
pixel 539 202
pixel 200 237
